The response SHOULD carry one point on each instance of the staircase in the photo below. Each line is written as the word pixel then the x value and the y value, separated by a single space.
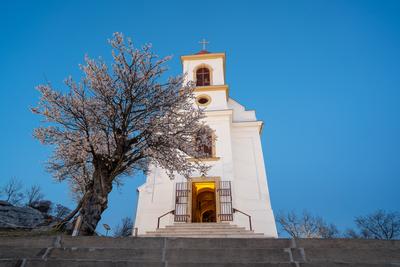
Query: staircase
pixel 204 230
pixel 63 251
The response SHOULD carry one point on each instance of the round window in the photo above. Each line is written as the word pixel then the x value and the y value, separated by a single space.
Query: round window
pixel 203 100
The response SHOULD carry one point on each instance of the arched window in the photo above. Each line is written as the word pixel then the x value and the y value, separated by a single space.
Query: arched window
pixel 204 144
pixel 203 77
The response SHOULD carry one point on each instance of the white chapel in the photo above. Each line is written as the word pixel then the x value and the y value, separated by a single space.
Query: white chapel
pixel 235 190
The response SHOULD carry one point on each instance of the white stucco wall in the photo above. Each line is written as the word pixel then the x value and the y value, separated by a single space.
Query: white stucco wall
pixel 218 100
pixel 241 114
pixel 250 188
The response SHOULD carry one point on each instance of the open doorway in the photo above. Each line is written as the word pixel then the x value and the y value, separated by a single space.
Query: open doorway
pixel 204 206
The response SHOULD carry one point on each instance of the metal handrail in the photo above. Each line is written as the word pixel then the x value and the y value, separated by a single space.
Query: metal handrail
pixel 158 221
pixel 236 210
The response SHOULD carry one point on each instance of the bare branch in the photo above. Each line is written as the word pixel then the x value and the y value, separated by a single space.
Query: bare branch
pixel 12 191
pixel 305 225
pixel 33 194
pixel 377 225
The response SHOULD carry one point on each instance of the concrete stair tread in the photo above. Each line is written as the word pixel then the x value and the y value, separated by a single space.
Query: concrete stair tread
pixel 101 263
pixel 195 230
pixel 213 251
pixel 173 255
pixel 203 225
pixel 98 263
pixel 201 231
pixel 209 236
pixel 206 226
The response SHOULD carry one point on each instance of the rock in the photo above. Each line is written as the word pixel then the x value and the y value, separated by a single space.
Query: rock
pixel 12 217
pixel 48 227
pixel 5 203
pixel 42 205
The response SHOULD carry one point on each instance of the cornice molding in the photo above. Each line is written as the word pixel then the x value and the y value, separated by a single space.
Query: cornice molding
pixel 258 124
pixel 216 113
pixel 210 88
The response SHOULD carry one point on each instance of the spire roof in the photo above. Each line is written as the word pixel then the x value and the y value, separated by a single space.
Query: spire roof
pixel 201 52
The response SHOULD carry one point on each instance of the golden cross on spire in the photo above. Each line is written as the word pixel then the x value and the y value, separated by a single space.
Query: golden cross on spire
pixel 204 43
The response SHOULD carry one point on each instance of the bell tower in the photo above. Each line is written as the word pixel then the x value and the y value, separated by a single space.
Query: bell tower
pixel 207 71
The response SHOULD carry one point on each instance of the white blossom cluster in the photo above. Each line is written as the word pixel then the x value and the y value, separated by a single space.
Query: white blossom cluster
pixel 120 119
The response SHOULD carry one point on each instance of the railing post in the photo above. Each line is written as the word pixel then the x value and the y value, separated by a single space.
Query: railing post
pixel 236 210
pixel 159 218
pixel 251 228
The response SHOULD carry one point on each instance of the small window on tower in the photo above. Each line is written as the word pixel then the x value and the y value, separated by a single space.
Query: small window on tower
pixel 203 100
pixel 203 77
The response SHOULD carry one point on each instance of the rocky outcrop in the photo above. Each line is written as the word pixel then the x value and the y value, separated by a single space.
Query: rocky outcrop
pixel 5 203
pixel 12 217
pixel 43 206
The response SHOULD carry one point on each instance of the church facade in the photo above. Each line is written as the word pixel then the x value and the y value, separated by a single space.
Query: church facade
pixel 236 184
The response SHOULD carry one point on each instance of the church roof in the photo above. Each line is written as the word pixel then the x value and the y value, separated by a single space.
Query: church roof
pixel 201 52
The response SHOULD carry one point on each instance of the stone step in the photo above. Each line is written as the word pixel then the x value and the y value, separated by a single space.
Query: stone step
pixel 188 226
pixel 139 242
pixel 103 263
pixel 203 223
pixel 346 243
pixel 280 264
pixel 213 236
pixel 28 241
pixel 176 251
pixel 78 263
pixel 210 225
pixel 172 255
pixel 7 252
pixel 230 264
pixel 94 263
pixel 68 241
pixel 203 227
pixel 185 230
pixel 196 230
pixel 199 233
pixel 188 234
pixel 346 264
pixel 199 243
pixel 200 251
pixel 218 255
pixel 232 255
pixel 82 241
pixel 353 255
pixel 110 254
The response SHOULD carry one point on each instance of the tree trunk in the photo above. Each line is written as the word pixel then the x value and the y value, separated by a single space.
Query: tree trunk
pixel 96 202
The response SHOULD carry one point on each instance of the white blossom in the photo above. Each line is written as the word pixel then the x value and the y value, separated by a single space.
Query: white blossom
pixel 118 120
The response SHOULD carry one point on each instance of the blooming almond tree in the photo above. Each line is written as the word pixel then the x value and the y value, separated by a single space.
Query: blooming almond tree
pixel 117 121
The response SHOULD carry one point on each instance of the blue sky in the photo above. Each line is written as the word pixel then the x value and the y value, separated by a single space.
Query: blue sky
pixel 322 75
